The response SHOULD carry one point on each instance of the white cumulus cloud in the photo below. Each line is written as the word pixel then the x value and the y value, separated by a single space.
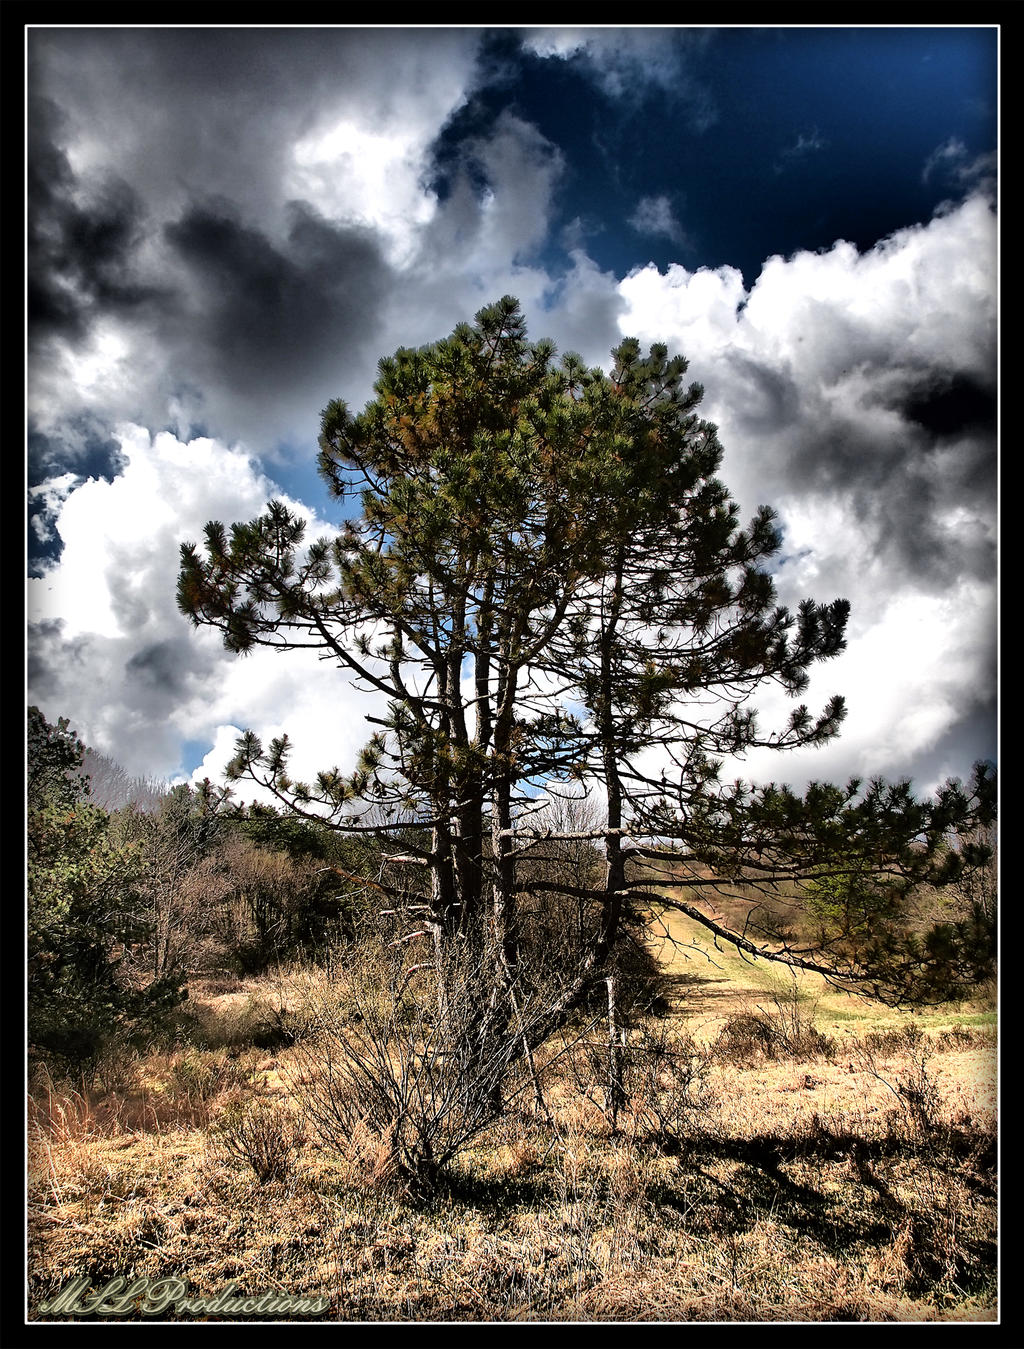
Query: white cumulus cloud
pixel 113 654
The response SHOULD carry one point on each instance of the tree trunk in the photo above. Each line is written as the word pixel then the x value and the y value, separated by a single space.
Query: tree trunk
pixel 615 1093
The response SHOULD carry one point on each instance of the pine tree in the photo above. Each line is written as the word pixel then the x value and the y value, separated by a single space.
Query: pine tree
pixel 546 580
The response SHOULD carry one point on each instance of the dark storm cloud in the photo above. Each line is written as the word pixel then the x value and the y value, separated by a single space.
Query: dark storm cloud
pixel 930 459
pixel 166 245
pixel 974 737
pixel 947 406
pixel 81 257
pixel 903 495
pixel 192 111
pixel 769 397
pixel 259 313
pixel 52 659
pixel 951 471
pixel 914 529
pixel 280 72
pixel 161 667
pixel 270 315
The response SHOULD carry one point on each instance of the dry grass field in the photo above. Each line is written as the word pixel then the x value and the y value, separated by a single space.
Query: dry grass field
pixel 785 1153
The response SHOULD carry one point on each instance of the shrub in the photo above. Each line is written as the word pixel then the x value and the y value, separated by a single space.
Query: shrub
pixel 900 1040
pixel 420 1060
pixel 785 1030
pixel 667 1086
pixel 916 1115
pixel 263 1135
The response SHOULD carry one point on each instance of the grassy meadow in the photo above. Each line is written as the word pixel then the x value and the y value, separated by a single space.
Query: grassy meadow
pixel 783 1153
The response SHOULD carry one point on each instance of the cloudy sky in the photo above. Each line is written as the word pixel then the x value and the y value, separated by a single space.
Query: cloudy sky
pixel 227 227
